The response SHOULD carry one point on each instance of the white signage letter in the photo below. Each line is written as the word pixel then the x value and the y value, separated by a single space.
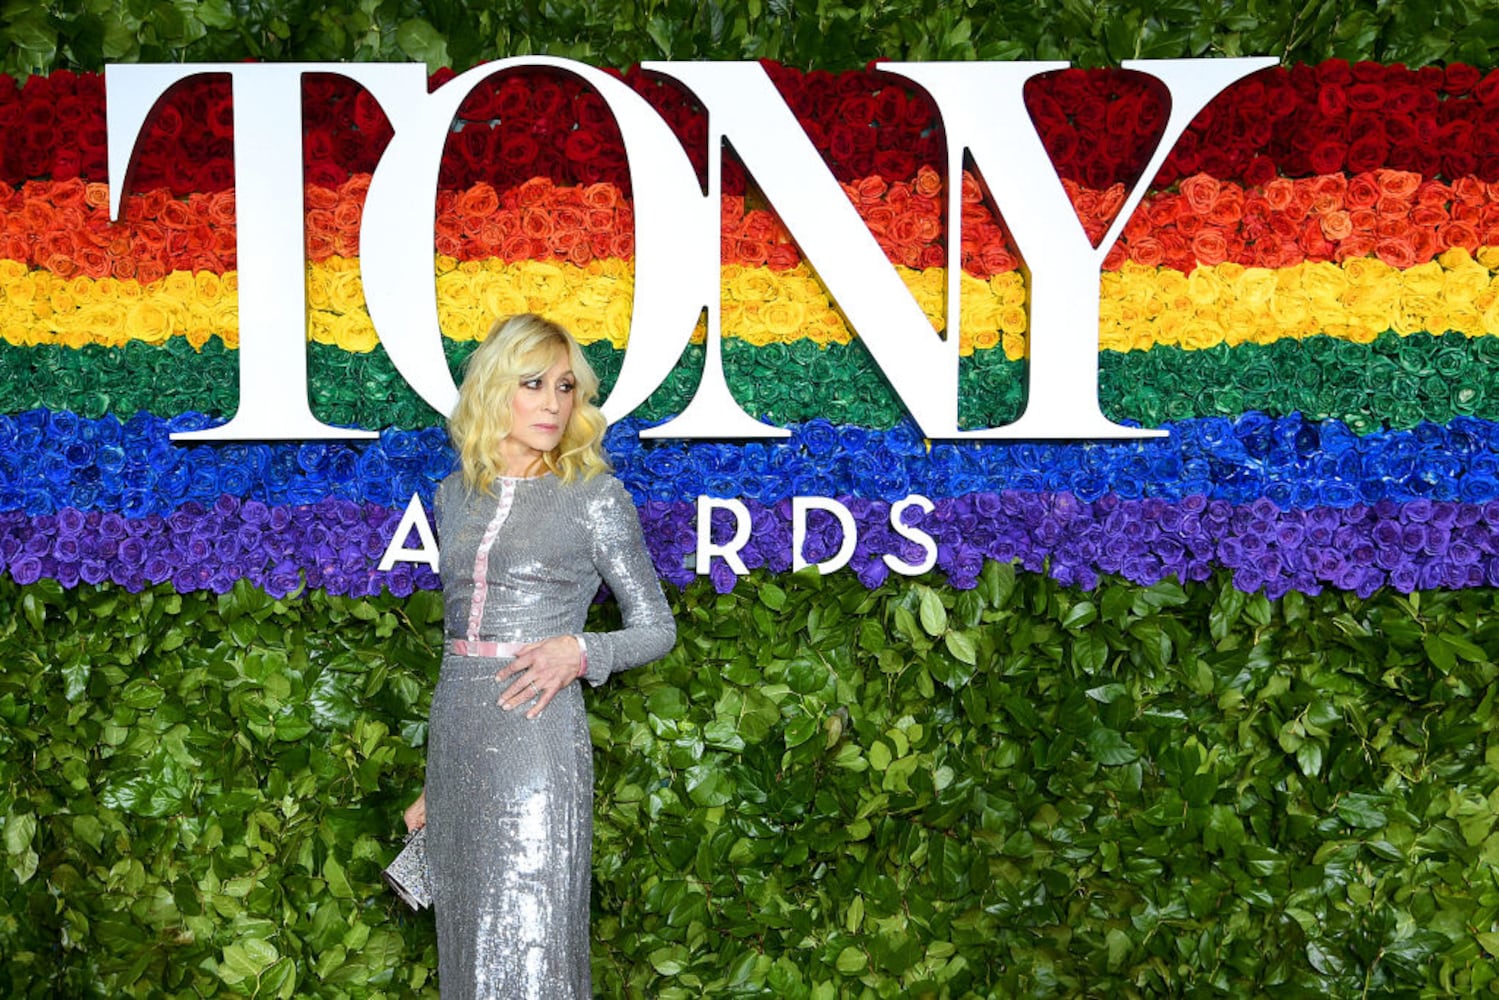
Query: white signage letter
pixel 983 110
pixel 675 226
pixel 707 548
pixel 912 534
pixel 839 559
pixel 268 217
pixel 396 551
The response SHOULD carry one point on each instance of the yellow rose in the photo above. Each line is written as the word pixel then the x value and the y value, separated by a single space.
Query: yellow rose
pixel 1014 346
pixel 985 340
pixel 1465 319
pixel 1009 288
pixel 345 293
pixel 148 321
pixel 748 284
pixel 1423 279
pixel 1489 257
pixel 354 333
pixel 1416 313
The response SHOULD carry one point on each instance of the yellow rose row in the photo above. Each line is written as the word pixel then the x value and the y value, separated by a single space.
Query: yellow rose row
pixel 1141 306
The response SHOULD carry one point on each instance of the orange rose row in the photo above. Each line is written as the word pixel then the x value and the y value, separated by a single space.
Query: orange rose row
pixel 63 226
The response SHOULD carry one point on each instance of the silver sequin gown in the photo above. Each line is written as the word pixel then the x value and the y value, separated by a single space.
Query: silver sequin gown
pixel 510 799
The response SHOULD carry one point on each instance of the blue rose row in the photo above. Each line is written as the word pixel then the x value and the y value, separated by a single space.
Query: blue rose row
pixel 50 460
pixel 336 545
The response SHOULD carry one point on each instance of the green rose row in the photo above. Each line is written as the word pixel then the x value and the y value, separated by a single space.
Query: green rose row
pixel 1394 382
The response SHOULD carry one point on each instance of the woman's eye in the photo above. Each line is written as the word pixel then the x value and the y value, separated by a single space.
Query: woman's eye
pixel 532 383
pixel 565 387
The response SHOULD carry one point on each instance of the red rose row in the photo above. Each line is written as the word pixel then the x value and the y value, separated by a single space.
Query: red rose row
pixel 1403 220
pixel 1298 122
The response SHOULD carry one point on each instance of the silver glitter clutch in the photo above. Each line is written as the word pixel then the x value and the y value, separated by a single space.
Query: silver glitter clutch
pixel 408 875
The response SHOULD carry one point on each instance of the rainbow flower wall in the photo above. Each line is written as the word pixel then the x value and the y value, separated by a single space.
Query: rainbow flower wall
pixel 1305 299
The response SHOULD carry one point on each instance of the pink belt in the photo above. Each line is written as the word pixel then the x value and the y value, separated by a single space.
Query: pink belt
pixel 478 647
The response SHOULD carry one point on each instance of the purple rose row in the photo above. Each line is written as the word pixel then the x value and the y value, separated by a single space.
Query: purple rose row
pixel 333 544
pixel 336 544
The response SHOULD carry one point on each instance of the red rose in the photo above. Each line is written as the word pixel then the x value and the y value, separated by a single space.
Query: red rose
pixel 1368 153
pixel 482 102
pixel 1487 89
pixel 1334 71
pixel 214 175
pixel 1327 157
pixel 1332 101
pixel 518 152
pixel 1261 171
pixel 582 146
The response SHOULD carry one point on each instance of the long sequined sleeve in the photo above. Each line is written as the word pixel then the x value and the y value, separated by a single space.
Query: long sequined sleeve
pixel 620 555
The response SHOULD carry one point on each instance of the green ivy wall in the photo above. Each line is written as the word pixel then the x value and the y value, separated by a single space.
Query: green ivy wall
pixel 1019 790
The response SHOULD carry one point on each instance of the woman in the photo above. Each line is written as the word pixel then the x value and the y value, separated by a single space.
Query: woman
pixel 529 526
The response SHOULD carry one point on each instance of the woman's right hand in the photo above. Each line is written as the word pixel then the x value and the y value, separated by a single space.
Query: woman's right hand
pixel 416 813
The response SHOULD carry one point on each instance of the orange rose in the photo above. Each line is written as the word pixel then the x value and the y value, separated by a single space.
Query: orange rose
pixel 759 225
pixel 581 252
pixel 1428 215
pixel 867 190
pixel 479 200
pixel 1397 183
pixel 1396 253
pixel 1228 209
pixel 68 192
pixel 1279 193
pixel 879 219
pixel 92 261
pixel 1424 244
pixel 1328 190
pixel 348 215
pixel 928 182
pixel 1363 192
pixel 317 196
pixel 1200 191
pixel 782 257
pixel 357 186
pixel 1209 247
pixel 600 196
pixel 973 194
pixel 1433 193
pixel 221 208
pixel 997 259
pixel 536 224
pixel 175 215
pixel 1470 189
pixel 1336 225
pixel 1392 208
pixel 599 220
pixel 1355 247
pixel 534 192
pixel 1458 234
pixel 95 195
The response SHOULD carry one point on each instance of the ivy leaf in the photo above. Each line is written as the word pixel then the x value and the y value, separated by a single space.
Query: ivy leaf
pixel 246 960
pixel 1108 746
pixel 933 614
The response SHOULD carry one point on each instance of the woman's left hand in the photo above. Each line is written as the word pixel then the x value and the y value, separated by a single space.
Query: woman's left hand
pixel 540 669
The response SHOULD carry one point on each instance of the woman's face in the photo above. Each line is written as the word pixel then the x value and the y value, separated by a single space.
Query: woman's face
pixel 539 412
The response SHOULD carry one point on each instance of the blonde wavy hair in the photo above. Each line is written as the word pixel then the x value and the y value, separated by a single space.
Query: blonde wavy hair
pixel 516 349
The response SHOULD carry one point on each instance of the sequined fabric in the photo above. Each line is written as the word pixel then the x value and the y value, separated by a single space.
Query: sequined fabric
pixel 510 799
